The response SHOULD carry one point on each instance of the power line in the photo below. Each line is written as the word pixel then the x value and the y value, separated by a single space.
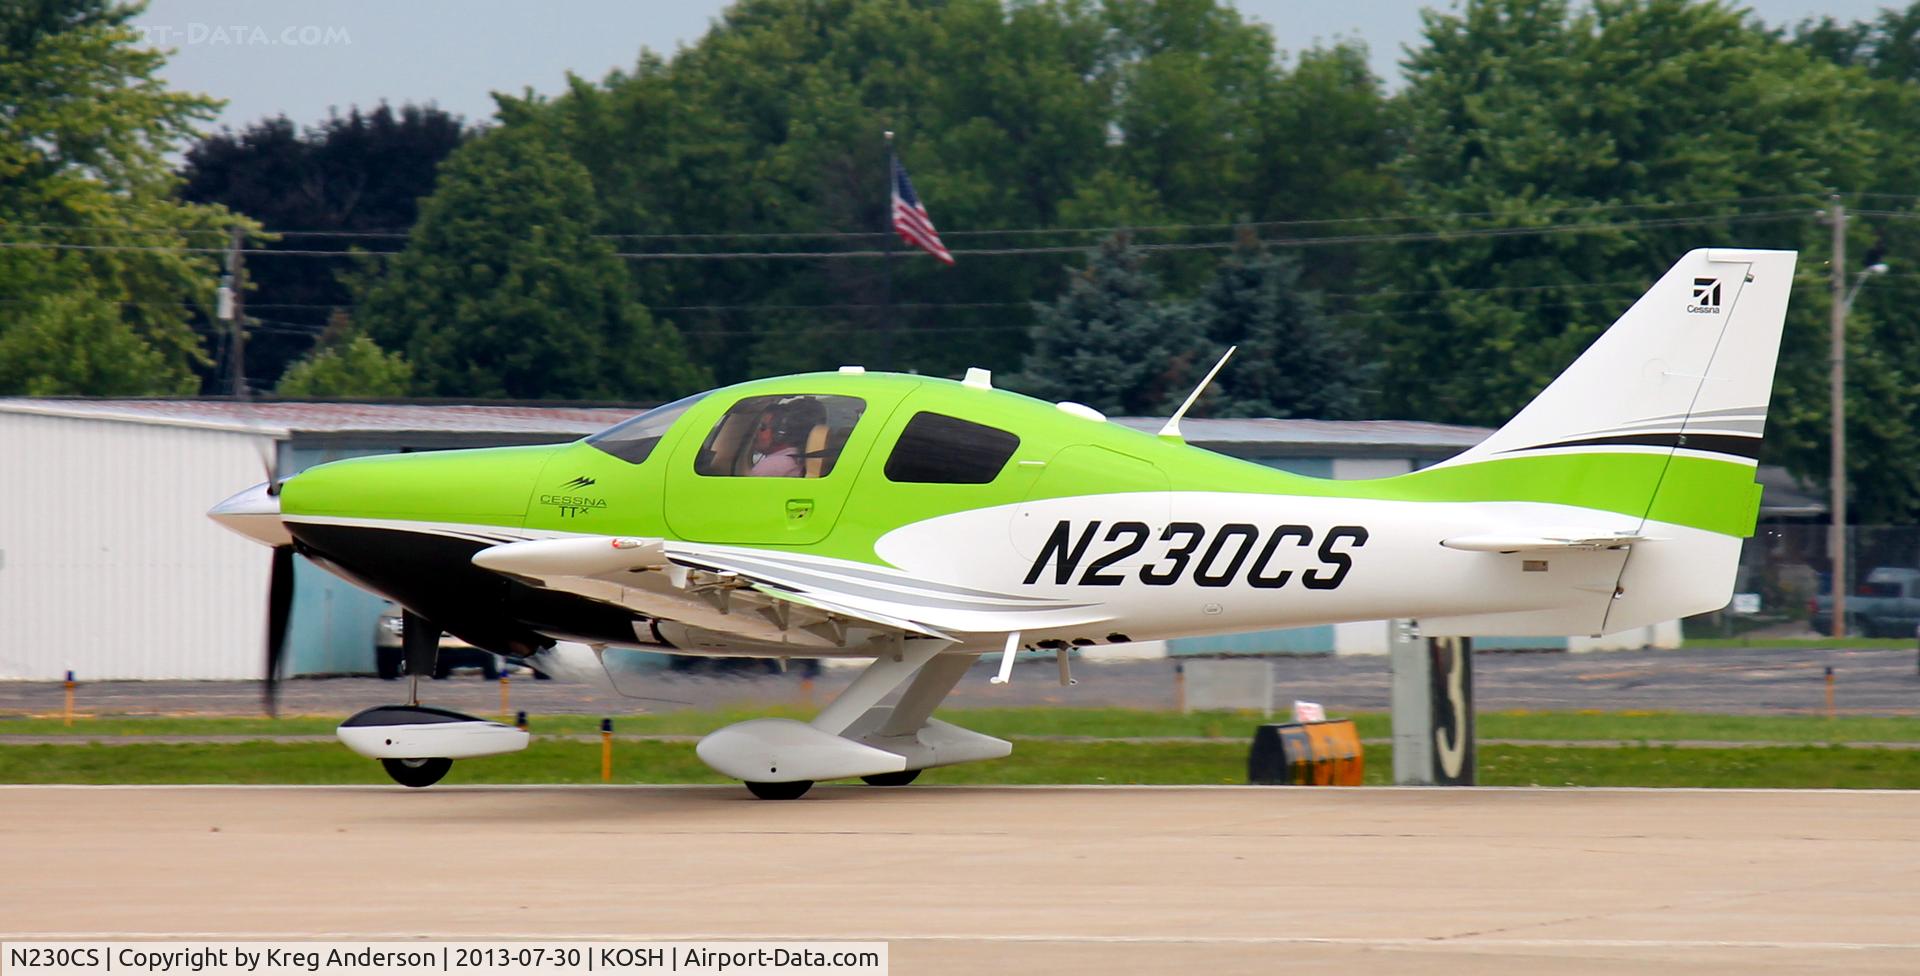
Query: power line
pixel 1806 278
pixel 398 234
pixel 1404 237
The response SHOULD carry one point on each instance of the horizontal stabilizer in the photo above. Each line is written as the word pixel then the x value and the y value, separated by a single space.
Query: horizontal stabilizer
pixel 1557 539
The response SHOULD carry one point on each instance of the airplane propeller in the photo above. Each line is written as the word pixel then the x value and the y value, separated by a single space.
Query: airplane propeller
pixel 268 470
pixel 279 612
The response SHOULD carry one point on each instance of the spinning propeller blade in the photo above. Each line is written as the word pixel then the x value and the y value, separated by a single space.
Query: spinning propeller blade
pixel 279 610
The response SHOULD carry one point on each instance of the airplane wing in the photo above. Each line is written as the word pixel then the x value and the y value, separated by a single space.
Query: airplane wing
pixel 801 601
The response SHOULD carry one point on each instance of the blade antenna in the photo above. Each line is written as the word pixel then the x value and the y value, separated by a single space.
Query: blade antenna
pixel 1172 430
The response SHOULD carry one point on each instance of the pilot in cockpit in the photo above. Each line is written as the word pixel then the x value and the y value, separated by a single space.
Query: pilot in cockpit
pixel 780 448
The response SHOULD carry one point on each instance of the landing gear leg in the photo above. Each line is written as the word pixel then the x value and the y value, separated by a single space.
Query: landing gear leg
pixel 420 640
pixel 420 643
pixel 763 747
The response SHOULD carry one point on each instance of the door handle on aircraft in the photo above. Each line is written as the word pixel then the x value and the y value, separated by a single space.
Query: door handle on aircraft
pixel 799 508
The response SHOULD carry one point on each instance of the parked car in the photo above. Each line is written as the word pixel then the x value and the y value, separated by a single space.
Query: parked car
pixel 390 661
pixel 1884 604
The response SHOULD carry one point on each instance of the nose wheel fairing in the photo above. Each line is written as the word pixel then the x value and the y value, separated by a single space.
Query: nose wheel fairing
pixel 416 744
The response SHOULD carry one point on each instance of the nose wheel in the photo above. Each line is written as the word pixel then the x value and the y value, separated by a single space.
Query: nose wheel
pixel 417 772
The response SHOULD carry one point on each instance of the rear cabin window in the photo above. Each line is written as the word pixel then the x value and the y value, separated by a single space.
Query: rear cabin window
pixel 633 440
pixel 780 437
pixel 936 449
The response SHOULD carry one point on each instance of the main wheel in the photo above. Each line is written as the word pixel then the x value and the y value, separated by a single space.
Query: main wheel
pixel 780 791
pixel 416 772
pixel 900 778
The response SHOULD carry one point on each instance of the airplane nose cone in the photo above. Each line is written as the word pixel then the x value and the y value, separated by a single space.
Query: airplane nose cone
pixel 254 513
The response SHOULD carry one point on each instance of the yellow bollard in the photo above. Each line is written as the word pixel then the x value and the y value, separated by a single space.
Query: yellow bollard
pixel 606 750
pixel 69 712
pixel 505 709
pixel 1830 694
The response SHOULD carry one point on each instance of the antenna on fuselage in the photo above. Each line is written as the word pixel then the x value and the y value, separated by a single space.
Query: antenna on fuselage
pixel 1172 430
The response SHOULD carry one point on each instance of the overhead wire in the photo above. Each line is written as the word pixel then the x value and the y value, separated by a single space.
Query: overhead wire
pixel 396 234
pixel 1388 237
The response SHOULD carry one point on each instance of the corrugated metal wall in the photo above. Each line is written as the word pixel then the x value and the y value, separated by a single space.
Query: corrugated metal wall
pixel 108 563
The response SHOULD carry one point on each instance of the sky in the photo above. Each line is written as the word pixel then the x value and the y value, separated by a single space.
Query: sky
pixel 303 59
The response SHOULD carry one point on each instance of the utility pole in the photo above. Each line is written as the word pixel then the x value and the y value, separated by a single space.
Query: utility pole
pixel 1837 482
pixel 232 308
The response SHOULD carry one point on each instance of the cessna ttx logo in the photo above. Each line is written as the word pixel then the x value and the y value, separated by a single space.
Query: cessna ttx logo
pixel 571 505
pixel 1706 297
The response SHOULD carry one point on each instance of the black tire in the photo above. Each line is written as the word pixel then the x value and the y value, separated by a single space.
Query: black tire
pixel 780 791
pixel 490 668
pixel 417 772
pixel 386 663
pixel 900 778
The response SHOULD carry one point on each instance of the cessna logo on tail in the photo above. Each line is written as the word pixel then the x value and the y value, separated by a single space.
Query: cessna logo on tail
pixel 1706 296
pixel 580 482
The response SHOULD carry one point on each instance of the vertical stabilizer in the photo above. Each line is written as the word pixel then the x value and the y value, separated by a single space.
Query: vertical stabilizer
pixel 1692 359
pixel 1654 433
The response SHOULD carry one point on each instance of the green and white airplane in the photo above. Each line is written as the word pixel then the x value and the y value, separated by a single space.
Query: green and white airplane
pixel 924 523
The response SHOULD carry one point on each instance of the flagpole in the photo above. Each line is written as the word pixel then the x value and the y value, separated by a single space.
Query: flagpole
pixel 886 264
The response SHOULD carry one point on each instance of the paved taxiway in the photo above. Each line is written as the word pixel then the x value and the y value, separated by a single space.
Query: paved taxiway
pixel 962 880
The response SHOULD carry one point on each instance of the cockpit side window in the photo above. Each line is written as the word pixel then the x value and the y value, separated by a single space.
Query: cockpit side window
pixel 783 436
pixel 632 440
pixel 941 450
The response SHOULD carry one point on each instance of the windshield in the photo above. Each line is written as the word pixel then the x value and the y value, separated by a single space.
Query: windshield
pixel 634 439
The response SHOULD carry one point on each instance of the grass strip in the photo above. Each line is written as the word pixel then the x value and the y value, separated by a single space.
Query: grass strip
pixel 1033 762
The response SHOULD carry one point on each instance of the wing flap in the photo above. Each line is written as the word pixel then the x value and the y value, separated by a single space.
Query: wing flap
pixel 686 586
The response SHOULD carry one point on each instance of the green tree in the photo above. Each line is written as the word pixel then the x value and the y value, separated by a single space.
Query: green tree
pixel 1082 116
pixel 1621 117
pixel 1110 341
pixel 346 364
pixel 1888 46
pixel 1292 361
pixel 86 195
pixel 503 291
pixel 1882 57
pixel 70 344
pixel 362 171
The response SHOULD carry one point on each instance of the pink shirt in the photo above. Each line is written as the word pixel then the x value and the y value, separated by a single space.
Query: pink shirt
pixel 780 463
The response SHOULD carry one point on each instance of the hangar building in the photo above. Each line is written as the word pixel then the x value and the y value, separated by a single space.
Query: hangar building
pixel 110 568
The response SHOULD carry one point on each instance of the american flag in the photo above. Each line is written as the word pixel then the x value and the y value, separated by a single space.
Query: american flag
pixel 910 218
